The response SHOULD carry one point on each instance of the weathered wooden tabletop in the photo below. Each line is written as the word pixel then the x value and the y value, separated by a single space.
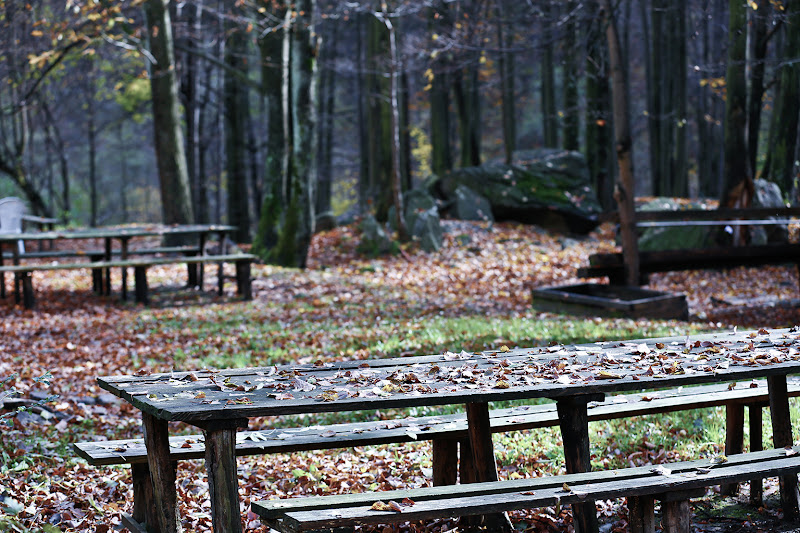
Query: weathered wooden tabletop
pixel 551 372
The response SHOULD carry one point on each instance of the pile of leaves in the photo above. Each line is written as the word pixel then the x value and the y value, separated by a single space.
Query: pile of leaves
pixel 343 306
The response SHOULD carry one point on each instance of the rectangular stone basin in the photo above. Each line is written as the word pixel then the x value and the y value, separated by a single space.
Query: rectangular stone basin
pixel 610 300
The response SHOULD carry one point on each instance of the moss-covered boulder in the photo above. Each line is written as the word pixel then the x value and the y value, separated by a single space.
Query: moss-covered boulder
pixel 547 187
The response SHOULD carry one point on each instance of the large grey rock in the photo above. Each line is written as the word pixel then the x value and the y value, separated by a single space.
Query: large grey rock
pixel 768 194
pixel 374 240
pixel 417 201
pixel 469 205
pixel 551 188
pixel 428 230
pixel 675 237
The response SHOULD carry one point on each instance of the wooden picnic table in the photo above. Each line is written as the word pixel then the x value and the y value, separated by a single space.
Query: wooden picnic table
pixel 110 234
pixel 221 402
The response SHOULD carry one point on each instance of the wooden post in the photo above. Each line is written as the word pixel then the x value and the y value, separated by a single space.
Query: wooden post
pixel 162 472
pixel 782 436
pixel 484 463
pixel 734 439
pixel 200 266
pixel 641 514
pixel 756 445
pixel 223 481
pixel 574 421
pixel 624 187
pixel 445 461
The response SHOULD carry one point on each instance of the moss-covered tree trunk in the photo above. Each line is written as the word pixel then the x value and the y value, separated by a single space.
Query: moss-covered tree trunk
pixel 781 163
pixel 236 102
pixel 506 70
pixel 570 124
pixel 439 94
pixel 170 156
pixel 468 105
pixel 379 118
pixel 297 214
pixel 548 77
pixel 271 55
pixel 738 185
pixel 599 123
pixel 327 101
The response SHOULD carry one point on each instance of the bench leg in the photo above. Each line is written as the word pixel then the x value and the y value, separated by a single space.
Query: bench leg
pixel 734 439
pixel 756 445
pixel 782 436
pixel 140 281
pixel 574 421
pixel 144 507
pixel 445 461
pixel 162 471
pixel 466 470
pixel 676 516
pixel 244 285
pixel 641 514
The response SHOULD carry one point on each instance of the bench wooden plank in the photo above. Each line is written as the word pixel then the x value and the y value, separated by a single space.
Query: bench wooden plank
pixel 316 513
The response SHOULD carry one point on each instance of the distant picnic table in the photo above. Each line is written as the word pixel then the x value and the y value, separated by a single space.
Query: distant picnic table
pixel 108 257
pixel 222 402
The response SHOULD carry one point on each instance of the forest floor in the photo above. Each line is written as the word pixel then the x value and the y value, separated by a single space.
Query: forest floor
pixel 474 293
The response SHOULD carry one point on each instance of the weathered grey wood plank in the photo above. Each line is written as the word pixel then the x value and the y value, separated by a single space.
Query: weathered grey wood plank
pixel 763 463
pixel 608 485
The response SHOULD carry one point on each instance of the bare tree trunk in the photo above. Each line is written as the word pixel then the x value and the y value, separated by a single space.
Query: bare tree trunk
pixel 397 178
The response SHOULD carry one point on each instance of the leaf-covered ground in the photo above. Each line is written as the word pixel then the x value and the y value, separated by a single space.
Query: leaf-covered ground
pixel 473 294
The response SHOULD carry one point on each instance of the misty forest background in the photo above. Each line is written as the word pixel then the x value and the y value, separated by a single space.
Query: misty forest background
pixel 267 114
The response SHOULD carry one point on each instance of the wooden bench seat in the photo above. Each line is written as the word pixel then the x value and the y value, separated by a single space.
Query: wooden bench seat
pixel 140 265
pixel 445 431
pixel 673 483
pixel 612 265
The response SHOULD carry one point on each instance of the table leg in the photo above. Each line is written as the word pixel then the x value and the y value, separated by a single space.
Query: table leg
pixel 484 463
pixel 162 472
pixel 200 269
pixel 734 439
pixel 123 256
pixel 108 270
pixel 756 445
pixel 574 420
pixel 223 482
pixel 782 436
